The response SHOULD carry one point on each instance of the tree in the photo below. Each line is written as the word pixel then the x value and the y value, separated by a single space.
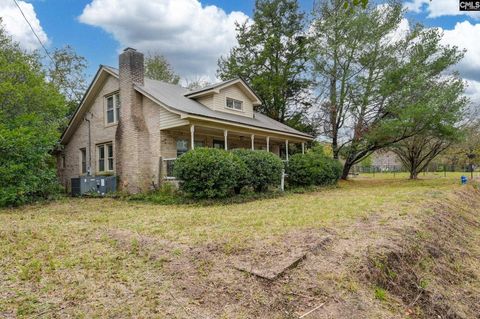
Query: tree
pixel 31 112
pixel 376 87
pixel 67 73
pixel 272 56
pixel 158 68
pixel 196 82
pixel 418 151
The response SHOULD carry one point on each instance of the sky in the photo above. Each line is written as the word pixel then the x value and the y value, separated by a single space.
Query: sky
pixel 193 34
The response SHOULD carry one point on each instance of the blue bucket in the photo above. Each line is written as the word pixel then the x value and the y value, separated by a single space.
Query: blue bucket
pixel 463 179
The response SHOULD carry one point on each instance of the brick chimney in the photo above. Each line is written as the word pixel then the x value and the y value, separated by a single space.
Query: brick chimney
pixel 132 136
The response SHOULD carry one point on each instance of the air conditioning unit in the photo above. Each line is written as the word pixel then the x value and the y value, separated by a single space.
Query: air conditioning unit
pixel 99 185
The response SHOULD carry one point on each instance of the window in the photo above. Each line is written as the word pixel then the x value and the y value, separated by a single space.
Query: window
pixel 83 160
pixel 182 146
pixel 234 104
pixel 219 144
pixel 199 144
pixel 62 162
pixel 105 157
pixel 113 108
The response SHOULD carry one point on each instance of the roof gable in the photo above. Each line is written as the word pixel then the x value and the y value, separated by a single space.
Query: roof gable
pixel 90 95
pixel 216 88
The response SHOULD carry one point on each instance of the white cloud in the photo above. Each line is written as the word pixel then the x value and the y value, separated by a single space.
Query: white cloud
pixel 190 35
pixel 464 36
pixel 438 8
pixel 17 27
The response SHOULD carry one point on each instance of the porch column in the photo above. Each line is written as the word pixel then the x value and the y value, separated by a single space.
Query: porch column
pixel 192 136
pixel 268 143
pixel 253 142
pixel 286 150
pixel 225 137
pixel 303 147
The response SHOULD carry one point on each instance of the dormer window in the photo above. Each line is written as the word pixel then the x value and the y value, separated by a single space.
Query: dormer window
pixel 113 108
pixel 234 104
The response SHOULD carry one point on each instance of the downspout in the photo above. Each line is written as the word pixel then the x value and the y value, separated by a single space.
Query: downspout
pixel 89 168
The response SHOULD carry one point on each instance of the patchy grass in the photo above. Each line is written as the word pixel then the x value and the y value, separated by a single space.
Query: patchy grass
pixel 115 258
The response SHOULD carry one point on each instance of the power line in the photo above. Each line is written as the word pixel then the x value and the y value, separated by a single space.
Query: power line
pixel 43 46
pixel 33 30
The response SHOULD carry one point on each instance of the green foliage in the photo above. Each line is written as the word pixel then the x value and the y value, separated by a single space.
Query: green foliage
pixel 158 68
pixel 263 169
pixel 313 168
pixel 209 172
pixel 380 294
pixel 381 89
pixel 271 56
pixel 31 113
pixel 67 73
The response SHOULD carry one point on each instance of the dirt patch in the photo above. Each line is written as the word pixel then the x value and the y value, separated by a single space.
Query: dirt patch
pixel 433 270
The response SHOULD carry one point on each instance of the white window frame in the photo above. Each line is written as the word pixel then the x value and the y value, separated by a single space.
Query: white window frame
pixel 234 102
pixel 115 108
pixel 106 159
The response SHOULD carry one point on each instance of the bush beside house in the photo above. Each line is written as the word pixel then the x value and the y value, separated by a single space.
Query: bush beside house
pixel 209 172
pixel 263 169
pixel 313 168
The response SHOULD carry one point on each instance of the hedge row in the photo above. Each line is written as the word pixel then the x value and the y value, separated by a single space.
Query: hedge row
pixel 216 173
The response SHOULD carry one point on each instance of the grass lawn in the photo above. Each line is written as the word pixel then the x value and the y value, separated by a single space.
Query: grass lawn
pixel 60 259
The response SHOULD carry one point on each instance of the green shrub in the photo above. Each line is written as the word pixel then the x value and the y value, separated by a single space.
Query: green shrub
pixel 263 169
pixel 208 172
pixel 313 168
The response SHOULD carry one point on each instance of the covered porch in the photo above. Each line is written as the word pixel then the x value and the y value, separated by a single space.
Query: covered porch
pixel 178 140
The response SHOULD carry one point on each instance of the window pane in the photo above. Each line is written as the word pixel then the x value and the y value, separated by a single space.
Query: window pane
pixel 230 103
pixel 110 116
pixel 117 114
pixel 110 150
pixel 182 147
pixel 83 155
pixel 237 105
pixel 218 144
pixel 101 150
pixel 110 103
pixel 101 165
pixel 117 100
pixel 110 164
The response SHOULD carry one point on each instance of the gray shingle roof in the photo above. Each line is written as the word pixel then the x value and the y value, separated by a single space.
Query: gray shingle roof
pixel 173 96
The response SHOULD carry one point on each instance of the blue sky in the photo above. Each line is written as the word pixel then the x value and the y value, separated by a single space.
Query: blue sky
pixel 192 34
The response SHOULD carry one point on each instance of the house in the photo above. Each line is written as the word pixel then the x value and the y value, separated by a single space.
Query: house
pixel 135 127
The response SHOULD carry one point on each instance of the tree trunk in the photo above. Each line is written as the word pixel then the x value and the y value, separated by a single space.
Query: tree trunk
pixel 413 174
pixel 346 169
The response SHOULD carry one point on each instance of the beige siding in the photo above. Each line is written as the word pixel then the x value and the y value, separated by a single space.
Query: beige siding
pixel 206 100
pixel 169 119
pixel 236 93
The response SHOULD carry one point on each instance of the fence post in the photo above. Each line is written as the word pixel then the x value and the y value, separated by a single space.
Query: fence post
pixel 282 182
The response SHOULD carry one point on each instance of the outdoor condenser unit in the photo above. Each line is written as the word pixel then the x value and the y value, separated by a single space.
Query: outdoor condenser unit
pixel 99 185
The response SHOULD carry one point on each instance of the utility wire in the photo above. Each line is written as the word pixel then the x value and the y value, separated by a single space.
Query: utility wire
pixel 41 43
pixel 33 30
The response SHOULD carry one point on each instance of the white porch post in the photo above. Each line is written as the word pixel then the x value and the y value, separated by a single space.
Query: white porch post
pixel 253 142
pixel 268 143
pixel 286 150
pixel 192 136
pixel 225 136
pixel 303 147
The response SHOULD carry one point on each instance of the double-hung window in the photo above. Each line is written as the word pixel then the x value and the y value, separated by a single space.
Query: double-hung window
pixel 83 160
pixel 105 157
pixel 113 108
pixel 234 104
